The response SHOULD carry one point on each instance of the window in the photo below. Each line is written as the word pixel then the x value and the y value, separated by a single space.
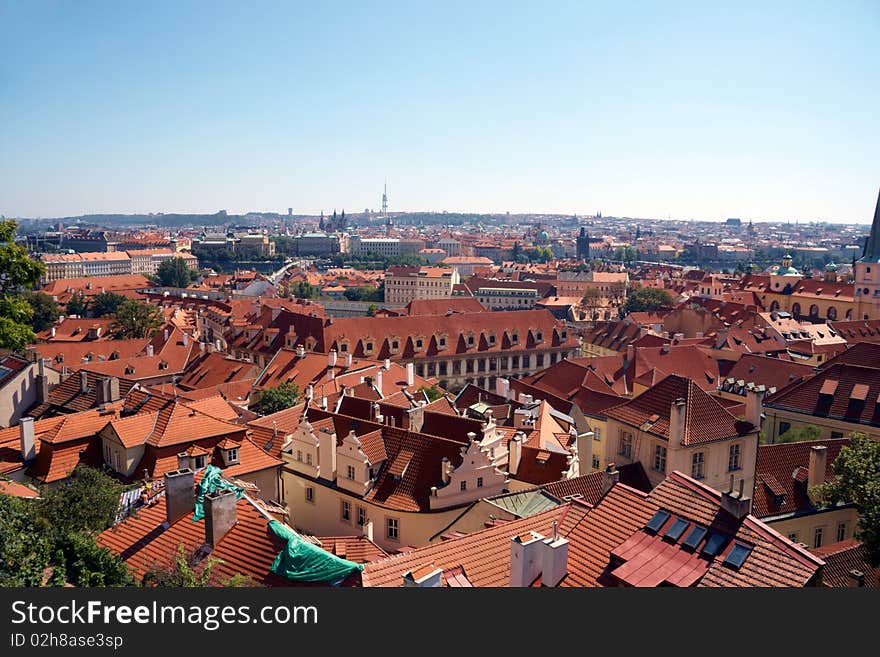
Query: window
pixel 200 462
pixel 308 459
pixel 595 462
pixel 394 345
pixel 470 341
pixel 418 344
pixel 232 455
pixel 392 529
pixel 310 494
pixel 479 482
pixel 837 434
pixel 817 537
pixel 492 339
pixel 625 447
pixel 343 348
pixel 346 511
pixel 841 531
pixel 659 458
pixel 350 472
pixel 514 338
pixel 784 427
pixel 597 433
pixel 369 346
pixel 107 457
pixel 698 463
pixel 442 342
pixel 463 485
pixel 362 516
pixel 539 336
pixel 117 461
pixel 733 459
pixel 793 537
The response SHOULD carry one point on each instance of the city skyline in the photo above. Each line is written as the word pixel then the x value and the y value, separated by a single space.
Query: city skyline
pixel 684 112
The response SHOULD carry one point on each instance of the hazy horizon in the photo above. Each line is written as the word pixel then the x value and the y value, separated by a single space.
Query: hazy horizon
pixel 681 111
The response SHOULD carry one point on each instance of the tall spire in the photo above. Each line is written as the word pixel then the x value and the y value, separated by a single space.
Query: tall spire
pixel 872 247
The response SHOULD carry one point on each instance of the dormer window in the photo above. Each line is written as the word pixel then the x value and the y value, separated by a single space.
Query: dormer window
pixel 395 345
pixel 232 456
pixel 442 341
pixel 539 336
pixel 343 347
pixel 199 462
pixel 129 369
pixel 514 338
pixel 368 347
pixel 470 341
pixel 492 339
pixel 419 343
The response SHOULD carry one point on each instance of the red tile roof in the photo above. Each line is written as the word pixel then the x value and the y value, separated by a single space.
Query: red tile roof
pixel 778 469
pixel 844 557
pixel 706 420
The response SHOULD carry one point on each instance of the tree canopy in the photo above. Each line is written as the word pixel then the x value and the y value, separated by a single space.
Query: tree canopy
pixel 45 310
pixel 857 480
pixel 174 272
pixel 18 274
pixel 136 319
pixel 647 299
pixel 106 303
pixel 276 399
pixel 77 304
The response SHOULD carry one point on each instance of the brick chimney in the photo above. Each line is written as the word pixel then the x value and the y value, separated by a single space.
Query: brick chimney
pixel 818 464
pixel 735 502
pixel 26 435
pixel 221 515
pixel 179 495
pixel 677 417
pixel 755 405
pixel 610 476
pixel 526 557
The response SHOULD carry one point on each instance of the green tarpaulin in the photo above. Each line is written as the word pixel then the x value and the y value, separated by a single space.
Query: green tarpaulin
pixel 305 562
pixel 211 482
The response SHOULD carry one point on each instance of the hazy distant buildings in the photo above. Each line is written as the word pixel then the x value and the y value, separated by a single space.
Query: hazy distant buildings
pixel 404 284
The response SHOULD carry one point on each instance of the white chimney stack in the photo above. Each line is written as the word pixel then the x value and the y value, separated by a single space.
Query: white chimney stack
pixel 410 374
pixel 349 359
pixel 379 380
pixel 554 564
pixel 331 358
pixel 525 558
pixel 28 442
pixel 387 364
pixel 368 529
pixel 166 335
pixel 755 405
pixel 185 339
pixel 83 381
pixel 502 387
pixel 149 350
pixel 677 416
pixel 514 452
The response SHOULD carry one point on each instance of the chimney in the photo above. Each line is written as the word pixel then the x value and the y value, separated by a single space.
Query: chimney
pixel 735 502
pixel 855 579
pixel 183 461
pixel 220 515
pixel 554 561
pixel 525 558
pixel 514 455
pixel 185 339
pixel 42 382
pixel 584 444
pixel 28 442
pixel 310 391
pixel 368 530
pixel 755 405
pixel 445 467
pixel 349 359
pixel 331 358
pixel 425 577
pixel 379 380
pixel 218 346
pixel 818 464
pixel 410 374
pixel 52 332
pixel 502 387
pixel 610 476
pixel 416 417
pixel 165 334
pixel 677 417
pixel 327 455
pixel 630 353
pixel 300 351
pixel 150 351
pixel 179 496
pixel 83 381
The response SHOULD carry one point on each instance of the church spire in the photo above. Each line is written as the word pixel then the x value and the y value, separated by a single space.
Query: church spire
pixel 872 247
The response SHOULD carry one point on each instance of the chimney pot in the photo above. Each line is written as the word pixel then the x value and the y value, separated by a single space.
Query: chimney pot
pixel 179 496
pixel 27 440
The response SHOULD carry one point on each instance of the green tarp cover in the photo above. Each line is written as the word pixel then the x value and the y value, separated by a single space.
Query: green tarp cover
pixel 211 482
pixel 305 562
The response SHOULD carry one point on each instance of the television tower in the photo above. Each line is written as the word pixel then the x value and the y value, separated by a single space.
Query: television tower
pixel 385 199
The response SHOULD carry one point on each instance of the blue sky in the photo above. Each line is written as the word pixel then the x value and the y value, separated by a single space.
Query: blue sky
pixel 635 109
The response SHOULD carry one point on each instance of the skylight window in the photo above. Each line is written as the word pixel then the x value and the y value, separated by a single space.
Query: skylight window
pixel 677 529
pixel 696 535
pixel 713 544
pixel 737 556
pixel 655 523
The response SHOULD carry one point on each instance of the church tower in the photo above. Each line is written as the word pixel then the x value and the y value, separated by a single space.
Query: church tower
pixel 867 274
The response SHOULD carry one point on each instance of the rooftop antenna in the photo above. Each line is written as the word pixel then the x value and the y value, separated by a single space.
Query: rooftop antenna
pixel 385 199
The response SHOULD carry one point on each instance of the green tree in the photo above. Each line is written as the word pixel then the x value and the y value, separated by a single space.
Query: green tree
pixel 106 303
pixel 182 572
pixel 18 273
pixel 303 290
pixel 276 399
pixel 174 272
pixel 363 293
pixel 45 310
pixel 647 299
pixel 433 393
pixel 86 501
pixel 371 310
pixel 77 304
pixel 592 302
pixel 800 434
pixel 25 549
pixel 136 319
pixel 625 253
pixel 857 480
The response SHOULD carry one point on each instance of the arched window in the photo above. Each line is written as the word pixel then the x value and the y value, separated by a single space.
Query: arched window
pixel 814 310
pixel 832 312
pixel 774 306
pixel 848 314
pixel 796 310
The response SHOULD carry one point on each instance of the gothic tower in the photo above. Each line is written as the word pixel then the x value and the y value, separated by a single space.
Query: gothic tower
pixel 867 273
